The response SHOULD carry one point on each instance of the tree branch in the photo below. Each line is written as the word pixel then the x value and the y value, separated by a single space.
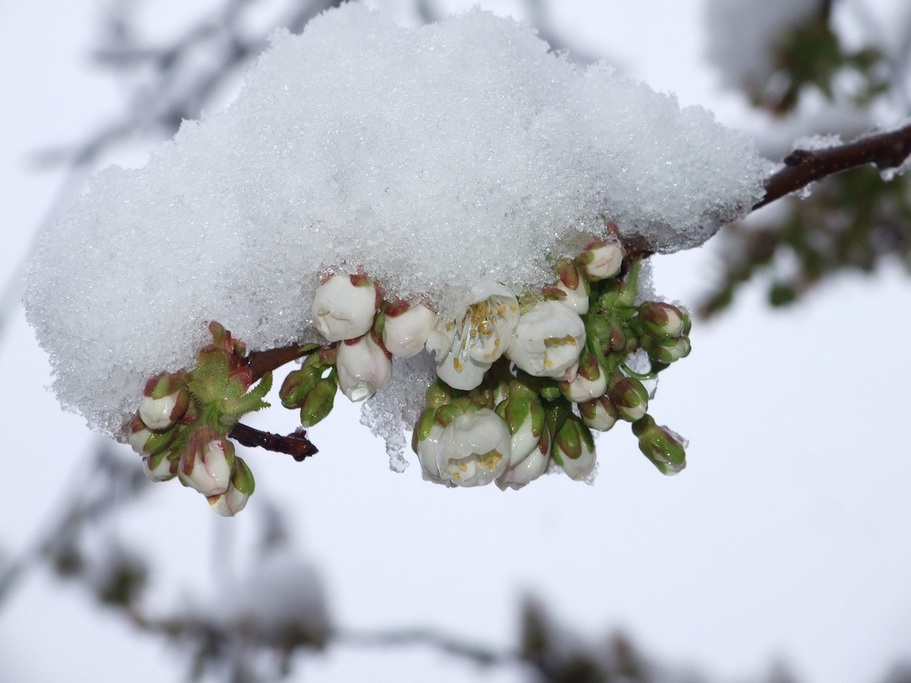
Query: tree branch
pixel 802 167
pixel 296 444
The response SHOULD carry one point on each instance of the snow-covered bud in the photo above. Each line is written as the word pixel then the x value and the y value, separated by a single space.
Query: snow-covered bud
pixel 524 416
pixel 599 414
pixel 662 320
pixel 575 287
pixel 144 441
pixel 601 259
pixel 319 401
pixel 474 449
pixel 548 340
pixel 465 349
pixel 574 449
pixel 590 382
pixel 165 399
pixel 239 491
pixel 664 448
pixel 344 306
pixel 667 350
pixel 363 368
pixel 629 397
pixel 406 328
pixel 206 465
pixel 159 467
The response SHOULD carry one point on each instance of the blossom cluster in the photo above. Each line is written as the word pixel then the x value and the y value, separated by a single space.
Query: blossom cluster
pixel 523 378
pixel 182 425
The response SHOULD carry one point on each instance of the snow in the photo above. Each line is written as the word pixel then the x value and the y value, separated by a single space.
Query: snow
pixel 428 157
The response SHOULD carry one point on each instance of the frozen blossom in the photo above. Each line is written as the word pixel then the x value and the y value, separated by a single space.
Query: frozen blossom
pixel 429 158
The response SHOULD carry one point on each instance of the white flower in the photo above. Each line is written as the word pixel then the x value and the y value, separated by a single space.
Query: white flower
pixel 230 502
pixel 342 309
pixel 156 413
pixel 466 348
pixel 427 455
pixel 209 470
pixel 548 340
pixel 363 368
pixel 474 449
pixel 602 260
pixel 406 332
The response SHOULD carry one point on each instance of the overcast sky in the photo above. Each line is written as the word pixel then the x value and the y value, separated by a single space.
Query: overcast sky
pixel 785 538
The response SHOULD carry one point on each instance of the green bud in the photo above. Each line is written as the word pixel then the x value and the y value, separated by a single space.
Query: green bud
pixel 629 397
pixel 599 414
pixel 319 401
pixel 661 446
pixel 519 408
pixel 438 394
pixel 667 350
pixel 298 384
pixel 422 428
pixel 662 320
pixel 549 390
pixel 242 477
pixel 574 448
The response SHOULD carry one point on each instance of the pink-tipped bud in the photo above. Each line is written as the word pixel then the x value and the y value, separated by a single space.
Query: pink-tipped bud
pixel 601 259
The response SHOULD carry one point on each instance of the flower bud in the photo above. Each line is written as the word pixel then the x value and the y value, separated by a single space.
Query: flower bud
pixel 474 449
pixel 319 401
pixel 159 467
pixel 588 384
pixel 425 442
pixel 664 448
pixel 629 397
pixel 344 306
pixel 363 367
pixel 146 442
pixel 239 491
pixel 206 465
pixel 574 449
pixel 575 287
pixel 601 259
pixel 548 340
pixel 524 416
pixel 298 384
pixel 667 350
pixel 599 414
pixel 165 400
pixel 406 328
pixel 662 320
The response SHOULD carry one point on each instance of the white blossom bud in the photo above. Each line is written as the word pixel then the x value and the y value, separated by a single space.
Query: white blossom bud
pixel 601 260
pixel 344 306
pixel 230 502
pixel 363 368
pixel 405 331
pixel 474 449
pixel 207 467
pixel 548 340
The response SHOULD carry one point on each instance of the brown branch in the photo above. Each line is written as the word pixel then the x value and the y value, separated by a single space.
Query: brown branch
pixel 802 167
pixel 296 444
pixel 261 362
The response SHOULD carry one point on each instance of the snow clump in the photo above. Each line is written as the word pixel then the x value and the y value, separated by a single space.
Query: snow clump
pixel 429 158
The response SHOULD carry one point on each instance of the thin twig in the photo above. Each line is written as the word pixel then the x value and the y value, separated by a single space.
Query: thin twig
pixel 296 444
pixel 802 167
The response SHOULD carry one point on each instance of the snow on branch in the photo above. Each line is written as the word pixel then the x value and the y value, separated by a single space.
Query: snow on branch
pixel 802 167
